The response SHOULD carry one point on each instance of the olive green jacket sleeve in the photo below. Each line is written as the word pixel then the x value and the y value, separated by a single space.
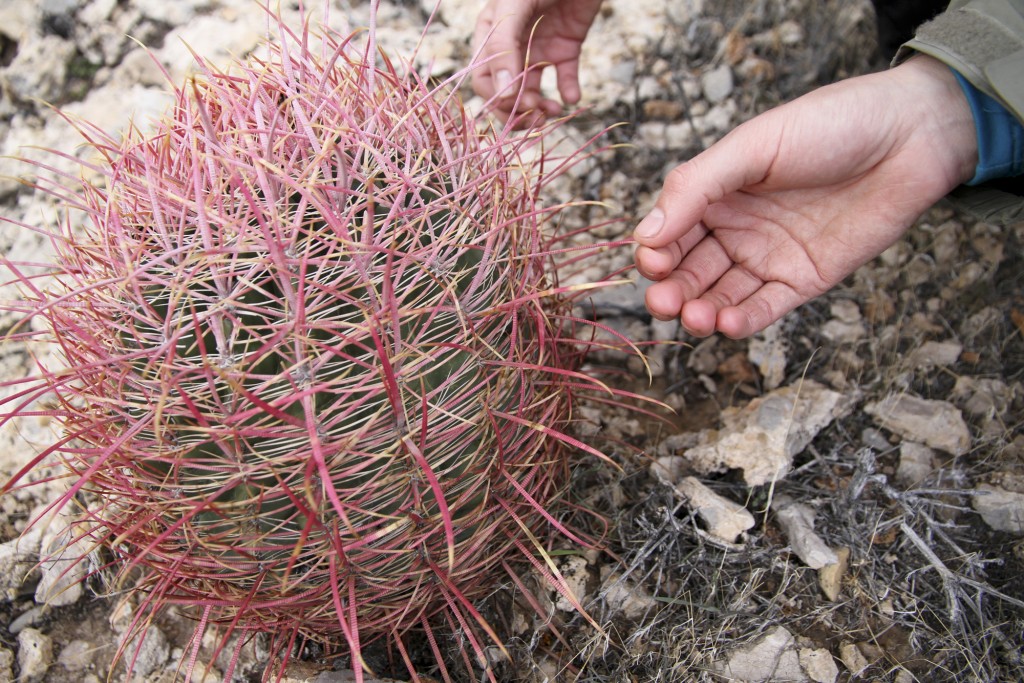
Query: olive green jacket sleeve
pixel 983 40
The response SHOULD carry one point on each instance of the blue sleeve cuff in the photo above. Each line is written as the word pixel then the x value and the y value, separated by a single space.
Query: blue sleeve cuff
pixel 1000 136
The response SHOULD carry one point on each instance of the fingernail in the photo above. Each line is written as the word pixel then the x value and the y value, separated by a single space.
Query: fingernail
pixel 650 226
pixel 501 81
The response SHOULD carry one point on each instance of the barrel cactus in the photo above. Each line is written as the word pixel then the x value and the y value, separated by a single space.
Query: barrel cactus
pixel 318 369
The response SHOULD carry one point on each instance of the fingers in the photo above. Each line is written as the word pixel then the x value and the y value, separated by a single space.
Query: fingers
pixel 741 159
pixel 738 305
pixel 657 264
pixel 568 73
pixel 708 291
pixel 499 38
pixel 693 277
pixel 751 315
pixel 704 285
pixel 553 31
pixel 496 40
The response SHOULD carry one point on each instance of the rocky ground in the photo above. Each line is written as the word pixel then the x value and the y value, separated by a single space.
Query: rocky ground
pixel 839 498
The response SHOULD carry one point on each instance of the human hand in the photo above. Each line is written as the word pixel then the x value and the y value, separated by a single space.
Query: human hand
pixel 791 202
pixel 502 36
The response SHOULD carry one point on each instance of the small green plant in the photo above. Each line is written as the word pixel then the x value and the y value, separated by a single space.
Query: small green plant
pixel 319 370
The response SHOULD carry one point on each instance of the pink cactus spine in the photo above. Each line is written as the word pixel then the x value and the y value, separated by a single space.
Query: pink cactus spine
pixel 319 371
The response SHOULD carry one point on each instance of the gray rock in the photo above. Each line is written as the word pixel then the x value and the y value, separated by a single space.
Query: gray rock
pixel 216 38
pixel 112 106
pixel 934 423
pixel 704 358
pixel 772 658
pixel 574 571
pixel 625 597
pixel 149 651
pixel 658 134
pixel 346 677
pixel 19 20
pixel 933 354
pixel 797 522
pixel 917 462
pixel 59 7
pixel 818 665
pixel 62 570
pixel 789 33
pixel 39 71
pixel 762 437
pixel 839 332
pixel 1001 509
pixel 331 677
pixel 122 614
pixel 981 323
pixel 26 619
pixel 718 119
pixel 853 659
pixel 627 297
pixel 96 12
pixel 18 558
pixel 106 44
pixel 35 655
pixel 724 518
pixel 171 13
pixel 830 577
pixel 984 397
pixel 846 311
pixel 624 71
pixel 77 655
pixel 717 83
pixel 668 467
pixel 874 438
pixel 6 665
pixel 767 351
pixel 846 325
pixel 138 69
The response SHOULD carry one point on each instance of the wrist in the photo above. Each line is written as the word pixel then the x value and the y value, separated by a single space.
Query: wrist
pixel 943 115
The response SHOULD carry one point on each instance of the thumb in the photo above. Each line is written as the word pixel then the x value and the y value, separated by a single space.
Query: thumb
pixel 740 159
pixel 497 39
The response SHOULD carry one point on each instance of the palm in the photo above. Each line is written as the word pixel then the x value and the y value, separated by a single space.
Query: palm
pixel 808 238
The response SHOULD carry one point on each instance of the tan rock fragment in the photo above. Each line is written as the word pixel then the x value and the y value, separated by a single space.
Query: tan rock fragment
pixel 724 518
pixel 1002 510
pixel 938 424
pixel 761 438
pixel 797 522
pixel 830 577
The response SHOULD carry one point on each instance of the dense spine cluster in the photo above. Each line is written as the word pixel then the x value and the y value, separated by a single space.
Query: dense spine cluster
pixel 319 370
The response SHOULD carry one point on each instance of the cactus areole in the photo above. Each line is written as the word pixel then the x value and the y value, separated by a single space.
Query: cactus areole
pixel 318 370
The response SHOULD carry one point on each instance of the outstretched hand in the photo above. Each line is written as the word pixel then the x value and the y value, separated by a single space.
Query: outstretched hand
pixel 791 202
pixel 552 29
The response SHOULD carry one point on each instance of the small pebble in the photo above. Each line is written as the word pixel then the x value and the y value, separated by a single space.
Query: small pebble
pixel 35 655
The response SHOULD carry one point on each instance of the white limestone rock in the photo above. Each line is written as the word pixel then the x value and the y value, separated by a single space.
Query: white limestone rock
pixel 761 438
pixel 724 518
pixel 938 424
pixel 797 522
pixel 35 655
pixel 1002 510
